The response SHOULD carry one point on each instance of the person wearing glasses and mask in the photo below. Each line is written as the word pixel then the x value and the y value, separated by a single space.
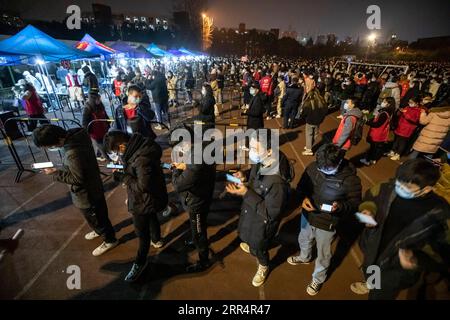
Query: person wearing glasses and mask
pixel 329 191
pixel 265 193
pixel 81 173
pixel 411 230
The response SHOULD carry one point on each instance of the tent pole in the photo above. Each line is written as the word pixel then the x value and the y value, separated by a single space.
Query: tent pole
pixel 12 75
pixel 46 89
pixel 54 91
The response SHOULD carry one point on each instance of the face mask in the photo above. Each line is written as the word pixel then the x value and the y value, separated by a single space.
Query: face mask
pixel 405 193
pixel 329 172
pixel 114 156
pixel 412 105
pixel 384 104
pixel 255 157
pixel 204 92
pixel 252 91
pixel 134 100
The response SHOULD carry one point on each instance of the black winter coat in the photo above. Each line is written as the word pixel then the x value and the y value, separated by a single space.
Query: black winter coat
pixel 255 112
pixel 195 185
pixel 263 205
pixel 80 170
pixel 293 97
pixel 158 87
pixel 429 229
pixel 344 187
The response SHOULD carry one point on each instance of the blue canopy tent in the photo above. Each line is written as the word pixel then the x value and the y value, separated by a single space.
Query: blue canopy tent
pixel 176 53
pixel 11 59
pixel 89 44
pixel 156 51
pixel 186 52
pixel 131 52
pixel 33 42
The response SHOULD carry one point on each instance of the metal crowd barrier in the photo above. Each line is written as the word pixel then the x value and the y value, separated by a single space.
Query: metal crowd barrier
pixel 21 166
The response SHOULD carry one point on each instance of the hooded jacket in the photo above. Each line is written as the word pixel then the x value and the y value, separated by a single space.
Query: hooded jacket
pixel 437 125
pixel 80 170
pixel 263 204
pixel 425 232
pixel 143 175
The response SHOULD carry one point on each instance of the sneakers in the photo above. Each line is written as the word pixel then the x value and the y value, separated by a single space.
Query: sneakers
pixel 365 161
pixel 91 235
pixel 104 247
pixel 268 118
pixel 313 287
pixel 278 116
pixel 390 154
pixel 135 272
pixel 395 157
pixel 158 127
pixel 295 261
pixel 157 244
pixel 260 276
pixel 307 152
pixel 245 247
pixel 359 288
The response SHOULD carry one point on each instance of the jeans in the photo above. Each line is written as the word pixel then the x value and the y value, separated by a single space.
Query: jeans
pixel 160 109
pixel 147 229
pixel 323 241
pixel 311 132
pixel 97 218
pixel 289 116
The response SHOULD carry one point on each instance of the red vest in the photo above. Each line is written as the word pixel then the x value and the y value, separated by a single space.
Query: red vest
pixel 347 143
pixel 380 134
pixel 117 87
pixel 98 129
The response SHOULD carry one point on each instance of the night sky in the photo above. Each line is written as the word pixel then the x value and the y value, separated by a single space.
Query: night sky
pixel 409 19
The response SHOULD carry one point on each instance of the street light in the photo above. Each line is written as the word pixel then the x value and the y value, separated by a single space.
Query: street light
pixel 372 37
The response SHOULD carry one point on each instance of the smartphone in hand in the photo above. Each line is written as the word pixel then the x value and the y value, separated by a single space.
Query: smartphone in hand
pixel 233 179
pixel 42 165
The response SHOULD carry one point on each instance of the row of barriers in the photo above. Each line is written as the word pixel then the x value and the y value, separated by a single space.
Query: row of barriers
pixel 22 160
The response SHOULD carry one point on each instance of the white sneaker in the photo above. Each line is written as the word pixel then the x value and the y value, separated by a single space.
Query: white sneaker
pixel 307 152
pixel 101 249
pixel 365 162
pixel 260 276
pixel 313 287
pixel 359 288
pixel 278 116
pixel 390 154
pixel 295 261
pixel 395 157
pixel 101 159
pixel 158 244
pixel 158 127
pixel 268 118
pixel 245 247
pixel 91 235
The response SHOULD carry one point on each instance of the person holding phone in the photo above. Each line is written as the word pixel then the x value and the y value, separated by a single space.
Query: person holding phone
pixel 411 231
pixel 81 173
pixel 146 189
pixel 329 190
pixel 195 182
pixel 265 194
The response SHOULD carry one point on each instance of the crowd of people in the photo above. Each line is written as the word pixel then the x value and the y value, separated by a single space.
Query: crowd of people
pixel 406 113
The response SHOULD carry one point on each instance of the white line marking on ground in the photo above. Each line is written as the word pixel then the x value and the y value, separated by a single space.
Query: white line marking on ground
pixel 28 201
pixel 54 256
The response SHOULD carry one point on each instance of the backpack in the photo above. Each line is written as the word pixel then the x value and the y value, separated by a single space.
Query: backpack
pixel 358 131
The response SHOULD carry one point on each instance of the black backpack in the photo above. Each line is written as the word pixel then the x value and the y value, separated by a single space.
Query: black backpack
pixel 358 131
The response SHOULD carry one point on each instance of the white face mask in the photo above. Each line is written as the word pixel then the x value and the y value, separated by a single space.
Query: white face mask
pixel 253 91
pixel 204 91
pixel 384 104
pixel 55 149
pixel 255 157
pixel 134 100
